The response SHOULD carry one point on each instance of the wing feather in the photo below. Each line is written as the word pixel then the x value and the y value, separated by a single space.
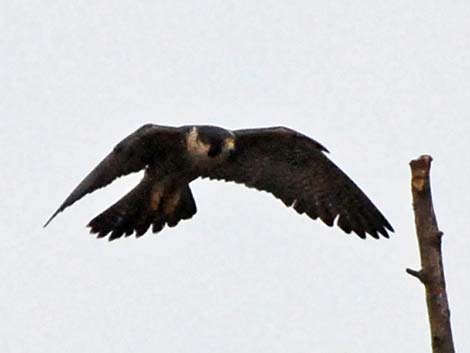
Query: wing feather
pixel 132 154
pixel 294 168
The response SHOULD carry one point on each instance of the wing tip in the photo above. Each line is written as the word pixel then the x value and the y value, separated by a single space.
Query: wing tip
pixel 52 217
pixel 322 148
pixel 378 230
pixel 384 230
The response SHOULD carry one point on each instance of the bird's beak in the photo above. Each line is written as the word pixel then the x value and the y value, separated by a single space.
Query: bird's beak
pixel 230 144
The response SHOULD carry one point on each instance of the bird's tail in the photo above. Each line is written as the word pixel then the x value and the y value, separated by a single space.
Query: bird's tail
pixel 148 204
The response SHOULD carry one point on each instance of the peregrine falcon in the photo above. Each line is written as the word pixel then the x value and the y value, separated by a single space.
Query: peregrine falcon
pixel 278 160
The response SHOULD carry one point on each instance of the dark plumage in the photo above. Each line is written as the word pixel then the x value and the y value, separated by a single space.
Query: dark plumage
pixel 289 165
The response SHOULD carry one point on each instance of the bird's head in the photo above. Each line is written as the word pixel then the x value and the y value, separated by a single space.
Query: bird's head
pixel 210 141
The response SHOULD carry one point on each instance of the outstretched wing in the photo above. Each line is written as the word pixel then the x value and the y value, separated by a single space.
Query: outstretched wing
pixel 130 155
pixel 294 169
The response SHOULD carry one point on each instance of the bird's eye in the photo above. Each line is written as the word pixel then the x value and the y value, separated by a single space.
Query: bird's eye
pixel 214 150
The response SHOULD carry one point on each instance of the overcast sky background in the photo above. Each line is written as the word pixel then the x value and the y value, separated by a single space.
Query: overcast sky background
pixel 377 82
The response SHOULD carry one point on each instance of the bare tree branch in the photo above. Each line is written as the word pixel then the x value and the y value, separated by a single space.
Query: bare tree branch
pixel 432 272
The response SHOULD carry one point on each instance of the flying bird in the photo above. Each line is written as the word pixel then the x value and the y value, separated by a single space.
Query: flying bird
pixel 279 160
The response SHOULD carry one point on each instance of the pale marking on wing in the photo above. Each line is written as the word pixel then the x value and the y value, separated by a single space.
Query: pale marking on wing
pixel 172 202
pixel 157 193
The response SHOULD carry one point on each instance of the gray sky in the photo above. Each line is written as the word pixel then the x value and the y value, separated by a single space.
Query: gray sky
pixel 377 82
